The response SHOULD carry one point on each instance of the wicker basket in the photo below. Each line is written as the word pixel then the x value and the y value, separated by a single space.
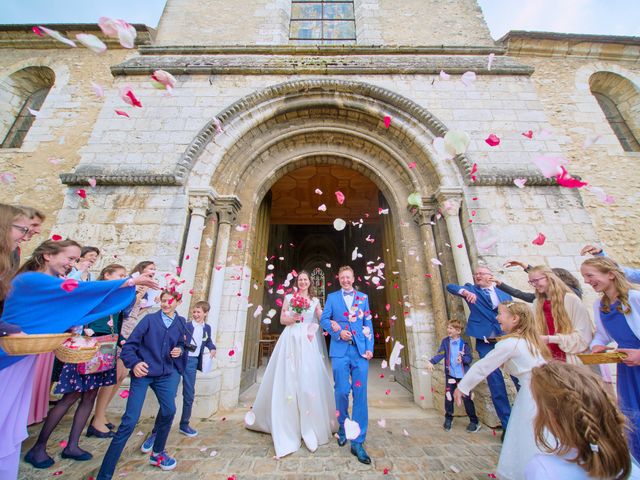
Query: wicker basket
pixel 75 355
pixel 604 357
pixel 32 344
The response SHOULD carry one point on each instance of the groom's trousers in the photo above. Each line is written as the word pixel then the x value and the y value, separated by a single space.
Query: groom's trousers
pixel 350 375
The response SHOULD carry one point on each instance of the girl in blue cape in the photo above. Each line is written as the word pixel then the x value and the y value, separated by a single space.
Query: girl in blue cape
pixel 38 303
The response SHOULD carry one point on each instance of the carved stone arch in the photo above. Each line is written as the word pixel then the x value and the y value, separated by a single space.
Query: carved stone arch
pixel 353 103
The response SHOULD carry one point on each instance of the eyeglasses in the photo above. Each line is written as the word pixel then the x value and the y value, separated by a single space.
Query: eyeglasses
pixel 22 229
pixel 534 281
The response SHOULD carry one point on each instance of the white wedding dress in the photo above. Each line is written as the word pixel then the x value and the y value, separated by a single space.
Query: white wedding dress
pixel 519 445
pixel 295 399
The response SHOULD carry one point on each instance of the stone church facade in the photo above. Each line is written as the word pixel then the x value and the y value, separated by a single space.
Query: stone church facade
pixel 218 178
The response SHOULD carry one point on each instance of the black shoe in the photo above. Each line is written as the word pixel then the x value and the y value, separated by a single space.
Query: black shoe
pixel 94 432
pixel 502 435
pixel 473 427
pixel 358 450
pixel 447 424
pixel 82 457
pixel 43 464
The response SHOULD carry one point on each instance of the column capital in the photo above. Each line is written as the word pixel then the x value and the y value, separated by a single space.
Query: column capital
pixel 227 208
pixel 422 215
pixel 449 200
pixel 201 201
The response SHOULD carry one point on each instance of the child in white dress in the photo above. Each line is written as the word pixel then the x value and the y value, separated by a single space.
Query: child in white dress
pixel 589 429
pixel 518 352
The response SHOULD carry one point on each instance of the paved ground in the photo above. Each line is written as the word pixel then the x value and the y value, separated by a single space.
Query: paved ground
pixel 411 445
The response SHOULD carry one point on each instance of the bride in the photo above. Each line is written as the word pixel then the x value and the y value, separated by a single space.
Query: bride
pixel 295 399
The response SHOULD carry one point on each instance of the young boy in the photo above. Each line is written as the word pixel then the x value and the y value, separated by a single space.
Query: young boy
pixel 457 357
pixel 154 353
pixel 198 337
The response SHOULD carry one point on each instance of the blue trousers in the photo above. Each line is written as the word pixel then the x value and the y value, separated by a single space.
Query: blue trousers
pixel 165 388
pixel 188 393
pixel 496 384
pixel 350 376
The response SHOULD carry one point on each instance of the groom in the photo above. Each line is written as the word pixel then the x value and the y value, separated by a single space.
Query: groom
pixel 350 351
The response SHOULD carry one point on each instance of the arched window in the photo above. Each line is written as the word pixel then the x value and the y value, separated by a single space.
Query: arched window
pixel 619 100
pixel 318 282
pixel 20 93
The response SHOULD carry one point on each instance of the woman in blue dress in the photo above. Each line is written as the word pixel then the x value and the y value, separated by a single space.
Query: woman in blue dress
pixel 617 316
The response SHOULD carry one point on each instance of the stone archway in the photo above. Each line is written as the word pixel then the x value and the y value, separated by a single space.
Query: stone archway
pixel 325 122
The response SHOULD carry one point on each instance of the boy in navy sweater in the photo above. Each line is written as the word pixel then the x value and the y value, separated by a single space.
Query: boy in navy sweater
pixel 457 358
pixel 155 354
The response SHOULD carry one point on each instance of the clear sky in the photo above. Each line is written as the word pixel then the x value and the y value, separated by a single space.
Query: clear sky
pixel 610 17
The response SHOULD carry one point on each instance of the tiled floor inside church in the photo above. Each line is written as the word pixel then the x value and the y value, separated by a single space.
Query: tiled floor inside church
pixel 404 441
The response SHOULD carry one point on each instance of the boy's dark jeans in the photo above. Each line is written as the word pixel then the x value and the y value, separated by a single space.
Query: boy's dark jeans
pixel 165 388
pixel 469 407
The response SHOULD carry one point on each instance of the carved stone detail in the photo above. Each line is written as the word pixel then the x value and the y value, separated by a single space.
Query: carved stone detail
pixel 227 208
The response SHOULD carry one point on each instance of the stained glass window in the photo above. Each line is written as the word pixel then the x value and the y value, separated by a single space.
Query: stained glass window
pixel 325 21
pixel 318 282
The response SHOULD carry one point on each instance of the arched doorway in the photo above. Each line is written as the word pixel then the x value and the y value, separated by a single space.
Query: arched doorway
pixel 302 207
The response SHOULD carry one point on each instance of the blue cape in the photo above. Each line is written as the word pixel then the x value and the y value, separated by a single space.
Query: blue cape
pixel 38 304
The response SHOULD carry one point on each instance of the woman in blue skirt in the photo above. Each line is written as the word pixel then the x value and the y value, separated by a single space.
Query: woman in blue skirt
pixel 617 316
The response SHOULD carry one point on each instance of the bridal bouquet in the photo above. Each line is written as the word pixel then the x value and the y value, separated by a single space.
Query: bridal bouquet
pixel 299 304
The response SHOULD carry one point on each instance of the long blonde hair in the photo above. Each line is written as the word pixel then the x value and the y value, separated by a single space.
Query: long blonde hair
pixel 622 285
pixel 575 407
pixel 8 215
pixel 556 292
pixel 526 328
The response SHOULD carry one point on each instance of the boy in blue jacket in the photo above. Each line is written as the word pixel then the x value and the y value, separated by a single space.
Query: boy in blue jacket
pixel 457 358
pixel 198 337
pixel 155 354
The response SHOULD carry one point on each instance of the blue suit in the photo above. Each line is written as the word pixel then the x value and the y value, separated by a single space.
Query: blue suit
pixel 350 368
pixel 483 325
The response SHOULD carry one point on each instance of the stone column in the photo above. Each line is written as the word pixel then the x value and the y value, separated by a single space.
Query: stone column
pixel 227 209
pixel 200 201
pixel 450 200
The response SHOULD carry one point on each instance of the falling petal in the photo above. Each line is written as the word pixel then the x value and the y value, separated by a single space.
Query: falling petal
pixel 492 140
pixel 415 199
pixel 124 394
pixel 549 165
pixel 92 182
pixel 37 31
pixel 490 60
pixel 351 429
pixel 92 42
pixel 56 238
pixel 250 418
pixel 58 36
pixel 435 261
pixel 440 147
pixel 81 192
pixel 322 208
pixel 213 453
pixel 539 240
pixel 382 423
pixel 164 78
pixel 468 78
pixel 528 134
pixel 383 211
pixel 98 90
pixel 567 181
pixel 35 113
pixel 456 142
pixel 339 224
pixel 340 197
pixel 387 121
pixel 318 191
pixel 122 113
pixel 601 195
pixel 127 96
pixel 395 355
pixel 519 182
pixel 444 76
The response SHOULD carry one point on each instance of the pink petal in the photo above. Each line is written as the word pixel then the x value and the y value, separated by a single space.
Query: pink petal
pixel 126 34
pixel 383 211
pixel 444 76
pixel 322 208
pixel 69 285
pixel 98 90
pixel 528 134
pixel 92 42
pixel 387 121
pixel 81 192
pixel 318 191
pixel 56 238
pixel 412 165
pixel 63 444
pixel 566 180
pixel 232 352
pixel 340 197
pixel 7 178
pixel 92 182
pixel 124 394
pixel 108 27
pixel 58 36
pixel 127 96
pixel 539 240
pixel 165 78
pixel 549 165
pixel 490 60
pixel 37 31
pixel 492 140
pixel 519 182
pixel 122 113
pixel 468 78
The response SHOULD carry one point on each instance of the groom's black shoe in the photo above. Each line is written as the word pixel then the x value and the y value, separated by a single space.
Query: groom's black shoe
pixel 358 450
pixel 342 437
